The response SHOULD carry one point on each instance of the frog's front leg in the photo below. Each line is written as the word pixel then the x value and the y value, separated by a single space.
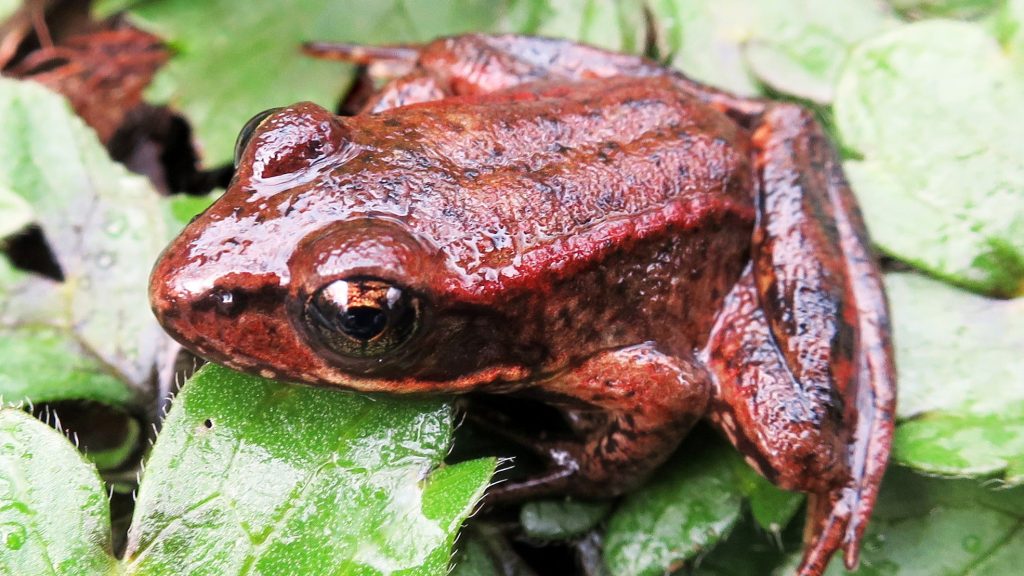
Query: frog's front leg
pixel 801 353
pixel 632 406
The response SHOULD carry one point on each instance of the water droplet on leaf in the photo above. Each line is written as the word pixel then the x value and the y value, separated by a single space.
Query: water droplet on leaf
pixel 105 259
pixel 115 225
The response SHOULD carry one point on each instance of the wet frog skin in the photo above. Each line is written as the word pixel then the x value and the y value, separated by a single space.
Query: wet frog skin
pixel 530 216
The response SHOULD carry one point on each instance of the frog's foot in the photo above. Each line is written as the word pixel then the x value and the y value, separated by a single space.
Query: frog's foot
pixel 390 61
pixel 630 409
pixel 560 475
pixel 800 352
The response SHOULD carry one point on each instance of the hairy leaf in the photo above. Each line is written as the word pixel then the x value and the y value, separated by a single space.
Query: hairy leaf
pixel 54 515
pixel 254 475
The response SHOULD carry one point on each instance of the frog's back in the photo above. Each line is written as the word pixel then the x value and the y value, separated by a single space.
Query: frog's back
pixel 550 177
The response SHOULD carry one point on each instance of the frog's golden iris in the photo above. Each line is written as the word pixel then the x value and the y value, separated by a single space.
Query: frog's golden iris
pixel 362 317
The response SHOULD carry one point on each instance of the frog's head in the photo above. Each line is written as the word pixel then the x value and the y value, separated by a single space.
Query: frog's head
pixel 276 279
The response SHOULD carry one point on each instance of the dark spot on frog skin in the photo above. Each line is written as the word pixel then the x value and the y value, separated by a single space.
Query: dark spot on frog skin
pixel 231 303
pixel 610 444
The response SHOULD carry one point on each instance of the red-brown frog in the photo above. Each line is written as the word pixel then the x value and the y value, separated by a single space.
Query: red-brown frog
pixel 534 216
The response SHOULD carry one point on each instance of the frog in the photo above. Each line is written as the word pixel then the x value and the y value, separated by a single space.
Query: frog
pixel 513 215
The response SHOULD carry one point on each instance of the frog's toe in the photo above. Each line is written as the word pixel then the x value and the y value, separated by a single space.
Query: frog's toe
pixel 558 478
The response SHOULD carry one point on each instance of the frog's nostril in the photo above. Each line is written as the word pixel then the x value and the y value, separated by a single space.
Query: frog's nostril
pixel 225 302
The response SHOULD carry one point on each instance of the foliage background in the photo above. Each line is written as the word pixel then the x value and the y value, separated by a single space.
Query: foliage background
pixel 925 99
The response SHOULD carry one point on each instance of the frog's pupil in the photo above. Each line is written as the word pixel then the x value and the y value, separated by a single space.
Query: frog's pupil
pixel 362 317
pixel 363 322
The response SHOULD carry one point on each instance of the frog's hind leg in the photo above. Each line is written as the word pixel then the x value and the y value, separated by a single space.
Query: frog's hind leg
pixel 398 66
pixel 475 64
pixel 801 352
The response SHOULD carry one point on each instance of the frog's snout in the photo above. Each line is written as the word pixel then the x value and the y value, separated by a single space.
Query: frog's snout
pixel 229 314
pixel 190 297
pixel 168 297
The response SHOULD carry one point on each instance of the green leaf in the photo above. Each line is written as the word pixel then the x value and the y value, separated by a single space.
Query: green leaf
pixel 217 83
pixel 181 208
pixel 473 560
pixel 254 475
pixel 42 364
pixel 485 551
pixel 105 8
pixel 793 46
pixel 561 519
pixel 960 365
pixel 54 516
pixel 690 504
pixel 771 506
pixel 105 229
pixel 619 26
pixel 26 298
pixel 927 526
pixel 1009 29
pixel 945 8
pixel 15 213
pixel 748 550
pixel 935 111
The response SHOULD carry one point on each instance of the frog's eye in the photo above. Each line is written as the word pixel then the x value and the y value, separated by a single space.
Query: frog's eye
pixel 362 317
pixel 247 131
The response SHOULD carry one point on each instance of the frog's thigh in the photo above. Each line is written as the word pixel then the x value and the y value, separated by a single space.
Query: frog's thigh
pixel 414 88
pixel 790 435
pixel 650 401
pixel 476 63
